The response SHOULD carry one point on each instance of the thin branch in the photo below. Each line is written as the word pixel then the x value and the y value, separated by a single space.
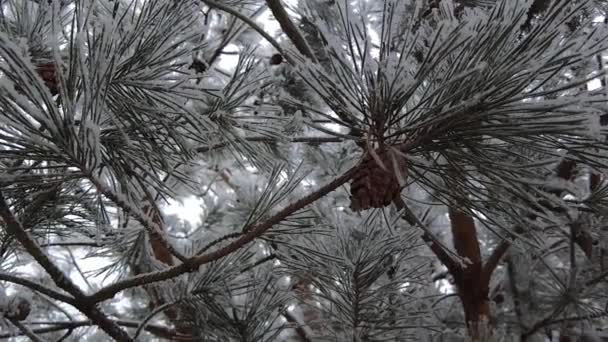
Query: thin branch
pixel 545 321
pixel 306 140
pixel 25 330
pixel 37 287
pixel 157 330
pixel 597 279
pixel 153 229
pixel 492 262
pixel 431 241
pixel 565 170
pixel 71 244
pixel 15 228
pixel 193 263
pixel 218 240
pixel 580 318
pixel 151 315
pixel 227 38
pixel 297 327
pixel 464 236
pixel 259 262
pixel 290 29
pixel 249 22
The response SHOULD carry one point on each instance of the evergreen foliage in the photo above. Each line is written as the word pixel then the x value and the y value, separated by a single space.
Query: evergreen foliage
pixel 388 170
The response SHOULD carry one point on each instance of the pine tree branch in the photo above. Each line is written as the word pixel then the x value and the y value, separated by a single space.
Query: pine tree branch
pixel 259 262
pixel 193 263
pixel 151 315
pixel 492 262
pixel 297 327
pixel 597 279
pixel 153 229
pixel 464 236
pixel 164 255
pixel 25 330
pixel 281 15
pixel 565 170
pixel 37 287
pixel 579 318
pixel 306 140
pixel 249 22
pixel 71 244
pixel 159 243
pixel 157 330
pixel 431 241
pixel 14 227
pixel 545 321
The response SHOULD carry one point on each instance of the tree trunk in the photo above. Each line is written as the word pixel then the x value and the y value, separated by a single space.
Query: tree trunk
pixel 473 294
pixel 471 280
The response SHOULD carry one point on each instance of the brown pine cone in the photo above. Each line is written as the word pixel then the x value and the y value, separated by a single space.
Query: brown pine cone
pixel 374 187
pixel 20 308
pixel 48 73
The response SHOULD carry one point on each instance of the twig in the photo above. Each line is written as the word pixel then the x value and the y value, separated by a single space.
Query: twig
pixel 78 269
pixel 580 318
pixel 307 140
pixel 157 330
pixel 151 315
pixel 26 331
pixel 15 228
pixel 431 241
pixel 259 262
pixel 597 279
pixel 63 311
pixel 296 326
pixel 290 29
pixel 249 22
pixel 71 244
pixel 194 262
pixel 218 240
pixel 37 287
pixel 153 229
pixel 494 259
pixel 545 321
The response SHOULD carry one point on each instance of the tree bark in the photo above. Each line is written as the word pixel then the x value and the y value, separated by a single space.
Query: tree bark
pixel 471 280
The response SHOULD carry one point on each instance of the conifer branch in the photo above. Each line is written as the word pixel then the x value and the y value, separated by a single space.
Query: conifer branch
pixel 464 236
pixel 25 330
pixel 302 335
pixel 249 22
pixel 153 229
pixel 431 241
pixel 157 330
pixel 290 29
pixel 492 262
pixel 252 233
pixel 268 140
pixel 37 287
pixel 14 227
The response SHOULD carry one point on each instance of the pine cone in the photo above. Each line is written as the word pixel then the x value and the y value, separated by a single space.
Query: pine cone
pixel 18 309
pixel 48 73
pixel 374 187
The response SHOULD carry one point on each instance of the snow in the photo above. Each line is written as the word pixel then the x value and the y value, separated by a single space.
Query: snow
pixel 188 209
